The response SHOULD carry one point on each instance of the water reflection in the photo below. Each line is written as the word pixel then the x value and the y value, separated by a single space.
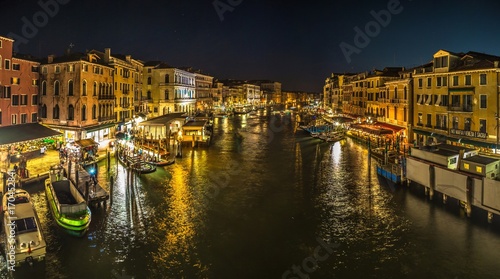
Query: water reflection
pixel 254 207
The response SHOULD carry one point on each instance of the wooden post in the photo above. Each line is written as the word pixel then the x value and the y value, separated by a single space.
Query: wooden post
pixel 69 169
pixel 77 178
pixel 87 192
pixel 111 190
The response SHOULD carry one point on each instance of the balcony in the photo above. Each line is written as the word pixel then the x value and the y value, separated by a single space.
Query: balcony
pixel 399 101
pixel 441 128
pixel 106 97
pixel 106 118
pixel 460 108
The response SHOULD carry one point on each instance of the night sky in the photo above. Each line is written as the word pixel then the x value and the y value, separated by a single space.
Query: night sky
pixel 297 44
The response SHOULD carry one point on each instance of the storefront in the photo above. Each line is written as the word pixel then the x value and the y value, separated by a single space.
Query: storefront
pixel 19 143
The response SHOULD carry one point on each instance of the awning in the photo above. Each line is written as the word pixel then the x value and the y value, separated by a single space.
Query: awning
pixel 25 132
pixel 423 133
pixel 98 127
pixel 372 129
pixel 162 120
pixel 473 142
pixel 389 126
pixel 86 143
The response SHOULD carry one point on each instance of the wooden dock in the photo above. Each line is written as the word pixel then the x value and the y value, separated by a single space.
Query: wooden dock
pixel 97 193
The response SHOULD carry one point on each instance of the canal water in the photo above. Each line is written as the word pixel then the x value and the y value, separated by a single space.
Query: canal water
pixel 267 201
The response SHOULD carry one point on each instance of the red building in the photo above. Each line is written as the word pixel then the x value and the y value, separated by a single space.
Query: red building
pixel 18 86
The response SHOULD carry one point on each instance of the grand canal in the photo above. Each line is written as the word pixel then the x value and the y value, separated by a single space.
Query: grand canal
pixel 273 203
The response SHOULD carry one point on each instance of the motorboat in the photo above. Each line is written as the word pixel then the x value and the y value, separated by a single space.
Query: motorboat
pixel 25 242
pixel 66 203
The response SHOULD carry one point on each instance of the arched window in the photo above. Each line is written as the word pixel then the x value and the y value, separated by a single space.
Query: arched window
pixel 71 112
pixel 94 112
pixel 56 88
pixel 405 92
pixel 84 88
pixel 95 88
pixel 55 112
pixel 43 111
pixel 44 88
pixel 70 88
pixel 84 112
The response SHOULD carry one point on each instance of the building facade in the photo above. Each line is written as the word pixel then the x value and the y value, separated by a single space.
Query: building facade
pixel 77 96
pixel 333 93
pixel 126 84
pixel 19 86
pixel 168 89
pixel 456 99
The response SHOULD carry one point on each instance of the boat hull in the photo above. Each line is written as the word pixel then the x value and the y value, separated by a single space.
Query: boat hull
pixel 77 224
pixel 27 245
pixel 138 166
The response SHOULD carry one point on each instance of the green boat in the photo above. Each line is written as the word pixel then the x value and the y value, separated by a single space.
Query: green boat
pixel 66 203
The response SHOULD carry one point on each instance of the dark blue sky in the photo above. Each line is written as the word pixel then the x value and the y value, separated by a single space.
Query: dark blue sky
pixel 297 44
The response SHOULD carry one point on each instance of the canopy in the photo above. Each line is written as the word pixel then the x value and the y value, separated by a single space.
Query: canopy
pixel 86 143
pixel 25 132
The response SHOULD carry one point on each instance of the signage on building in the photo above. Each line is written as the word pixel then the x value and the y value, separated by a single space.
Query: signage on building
pixel 472 134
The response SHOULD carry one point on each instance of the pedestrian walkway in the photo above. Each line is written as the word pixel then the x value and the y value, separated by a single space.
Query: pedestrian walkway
pixel 38 167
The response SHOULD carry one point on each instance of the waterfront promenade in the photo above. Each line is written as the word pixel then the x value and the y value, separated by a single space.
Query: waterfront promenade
pixel 38 167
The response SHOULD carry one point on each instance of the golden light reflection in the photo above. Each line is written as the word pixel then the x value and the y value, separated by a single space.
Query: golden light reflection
pixel 335 152
pixel 298 164
pixel 179 227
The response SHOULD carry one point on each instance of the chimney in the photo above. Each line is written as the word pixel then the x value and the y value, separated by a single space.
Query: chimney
pixel 495 63
pixel 128 58
pixel 107 55
pixel 50 58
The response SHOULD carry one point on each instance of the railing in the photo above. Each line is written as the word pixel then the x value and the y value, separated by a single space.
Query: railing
pixel 399 101
pixel 105 97
pixel 463 108
pixel 106 118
